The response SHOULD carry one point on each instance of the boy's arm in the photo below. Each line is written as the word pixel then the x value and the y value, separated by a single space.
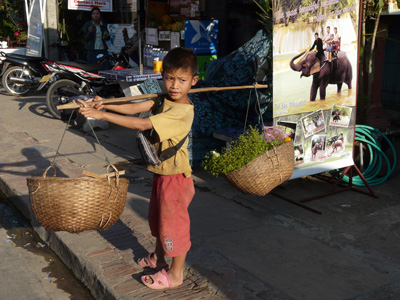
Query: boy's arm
pixel 130 108
pixel 127 121
pixel 123 108
pixel 121 120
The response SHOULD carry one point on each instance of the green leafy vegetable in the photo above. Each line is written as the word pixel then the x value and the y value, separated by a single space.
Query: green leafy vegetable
pixel 249 145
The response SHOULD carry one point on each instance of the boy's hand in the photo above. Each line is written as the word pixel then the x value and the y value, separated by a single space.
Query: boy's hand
pixel 97 103
pixel 93 102
pixel 91 110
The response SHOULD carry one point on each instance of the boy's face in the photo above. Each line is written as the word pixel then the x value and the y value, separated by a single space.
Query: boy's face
pixel 178 83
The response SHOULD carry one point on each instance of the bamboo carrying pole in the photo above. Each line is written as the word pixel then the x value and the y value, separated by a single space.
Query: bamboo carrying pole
pixel 75 104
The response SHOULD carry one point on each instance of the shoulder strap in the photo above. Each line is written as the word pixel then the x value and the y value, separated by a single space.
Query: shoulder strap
pixel 171 151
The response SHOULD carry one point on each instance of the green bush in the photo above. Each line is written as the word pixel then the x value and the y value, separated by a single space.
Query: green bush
pixel 249 145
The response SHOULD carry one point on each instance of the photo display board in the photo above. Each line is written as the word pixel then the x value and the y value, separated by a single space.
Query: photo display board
pixel 314 92
pixel 34 42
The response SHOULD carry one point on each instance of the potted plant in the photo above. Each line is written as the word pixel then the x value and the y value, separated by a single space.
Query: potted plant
pixel 256 162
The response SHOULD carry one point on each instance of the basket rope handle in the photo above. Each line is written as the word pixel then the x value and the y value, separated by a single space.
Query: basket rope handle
pixel 45 172
pixel 101 225
pixel 94 133
pixel 116 174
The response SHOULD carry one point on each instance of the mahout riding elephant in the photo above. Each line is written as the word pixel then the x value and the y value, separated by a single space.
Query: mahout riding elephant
pixel 338 71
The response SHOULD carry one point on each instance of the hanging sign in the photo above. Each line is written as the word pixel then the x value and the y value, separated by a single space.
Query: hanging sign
pixel 116 41
pixel 104 5
pixel 315 51
pixel 202 36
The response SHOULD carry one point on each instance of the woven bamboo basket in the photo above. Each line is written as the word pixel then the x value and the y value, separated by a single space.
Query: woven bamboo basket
pixel 265 172
pixel 77 204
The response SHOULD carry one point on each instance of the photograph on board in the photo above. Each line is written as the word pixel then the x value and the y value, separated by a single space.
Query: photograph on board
pixel 288 127
pixel 313 123
pixel 335 145
pixel 318 147
pixel 298 154
pixel 340 116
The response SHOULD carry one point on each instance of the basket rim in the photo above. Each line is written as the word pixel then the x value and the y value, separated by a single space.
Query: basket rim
pixel 72 179
pixel 248 165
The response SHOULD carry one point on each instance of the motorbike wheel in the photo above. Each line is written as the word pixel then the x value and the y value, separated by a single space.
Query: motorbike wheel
pixel 13 88
pixel 53 98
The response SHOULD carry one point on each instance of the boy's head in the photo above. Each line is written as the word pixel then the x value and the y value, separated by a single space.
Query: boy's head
pixel 179 73
pixel 180 58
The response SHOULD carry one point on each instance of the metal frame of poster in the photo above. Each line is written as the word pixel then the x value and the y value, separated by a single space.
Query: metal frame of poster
pixel 104 5
pixel 314 92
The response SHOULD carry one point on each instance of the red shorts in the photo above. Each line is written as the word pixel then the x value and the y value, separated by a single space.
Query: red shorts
pixel 168 212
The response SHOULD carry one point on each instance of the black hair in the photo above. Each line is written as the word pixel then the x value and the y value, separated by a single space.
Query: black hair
pixel 95 8
pixel 335 28
pixel 180 58
pixel 316 33
pixel 328 27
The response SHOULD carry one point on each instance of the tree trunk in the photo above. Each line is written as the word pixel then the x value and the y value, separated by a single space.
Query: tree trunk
pixel 371 60
pixel 361 105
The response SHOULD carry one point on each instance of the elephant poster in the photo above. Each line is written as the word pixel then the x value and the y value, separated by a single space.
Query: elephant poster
pixel 315 54
pixel 315 50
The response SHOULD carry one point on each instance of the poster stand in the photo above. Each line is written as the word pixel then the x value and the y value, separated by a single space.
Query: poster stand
pixel 350 171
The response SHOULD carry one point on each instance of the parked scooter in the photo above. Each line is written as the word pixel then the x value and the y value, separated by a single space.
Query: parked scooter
pixel 20 73
pixel 81 79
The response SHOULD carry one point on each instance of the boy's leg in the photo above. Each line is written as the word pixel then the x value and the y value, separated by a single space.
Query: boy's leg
pixel 176 194
pixel 175 273
pixel 158 256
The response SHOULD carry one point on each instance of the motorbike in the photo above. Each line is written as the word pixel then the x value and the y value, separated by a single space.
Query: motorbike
pixel 75 79
pixel 20 73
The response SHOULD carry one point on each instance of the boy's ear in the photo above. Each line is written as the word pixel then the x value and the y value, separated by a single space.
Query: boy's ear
pixel 195 80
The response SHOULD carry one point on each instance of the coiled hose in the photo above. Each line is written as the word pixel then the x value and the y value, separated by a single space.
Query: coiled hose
pixel 369 137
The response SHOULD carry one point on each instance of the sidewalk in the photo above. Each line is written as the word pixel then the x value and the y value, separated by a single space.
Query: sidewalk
pixel 244 247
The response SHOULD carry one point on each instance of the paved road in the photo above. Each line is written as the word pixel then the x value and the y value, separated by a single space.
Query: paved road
pixel 244 247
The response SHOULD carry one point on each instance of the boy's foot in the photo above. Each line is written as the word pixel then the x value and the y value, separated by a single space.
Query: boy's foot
pixel 159 281
pixel 148 262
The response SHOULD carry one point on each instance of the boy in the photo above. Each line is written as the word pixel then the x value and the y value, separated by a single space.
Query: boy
pixel 173 187
pixel 330 47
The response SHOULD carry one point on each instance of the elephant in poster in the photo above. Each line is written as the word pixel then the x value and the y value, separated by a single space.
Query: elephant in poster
pixel 338 71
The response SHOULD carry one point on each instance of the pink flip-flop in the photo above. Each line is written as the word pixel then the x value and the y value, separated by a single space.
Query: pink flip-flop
pixel 160 281
pixel 146 262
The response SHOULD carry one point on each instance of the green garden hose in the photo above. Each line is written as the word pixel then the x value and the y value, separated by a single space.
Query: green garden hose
pixel 368 136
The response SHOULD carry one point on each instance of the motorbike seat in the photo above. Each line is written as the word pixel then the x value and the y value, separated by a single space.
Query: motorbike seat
pixel 92 68
pixel 24 57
